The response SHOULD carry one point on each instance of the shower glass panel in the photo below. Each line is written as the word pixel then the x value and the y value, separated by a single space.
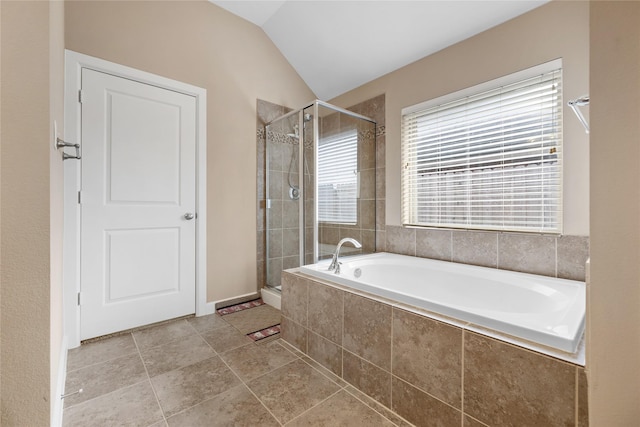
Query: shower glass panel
pixel 283 197
pixel 320 186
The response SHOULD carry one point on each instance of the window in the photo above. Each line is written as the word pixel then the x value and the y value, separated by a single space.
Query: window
pixel 489 158
pixel 338 178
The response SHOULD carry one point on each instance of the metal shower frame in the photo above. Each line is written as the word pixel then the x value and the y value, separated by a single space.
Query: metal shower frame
pixel 316 104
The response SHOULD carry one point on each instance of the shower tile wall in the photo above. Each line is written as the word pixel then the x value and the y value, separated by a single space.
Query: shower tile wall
pixel 371 204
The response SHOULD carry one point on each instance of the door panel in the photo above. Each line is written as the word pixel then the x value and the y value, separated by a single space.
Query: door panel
pixel 157 272
pixel 138 181
pixel 143 163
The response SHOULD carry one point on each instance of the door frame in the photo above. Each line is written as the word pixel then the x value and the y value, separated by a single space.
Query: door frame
pixel 74 63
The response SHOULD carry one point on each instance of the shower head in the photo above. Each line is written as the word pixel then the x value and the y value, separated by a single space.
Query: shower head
pixel 308 117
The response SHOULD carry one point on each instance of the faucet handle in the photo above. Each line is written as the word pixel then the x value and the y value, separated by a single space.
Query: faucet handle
pixel 334 263
pixel 337 269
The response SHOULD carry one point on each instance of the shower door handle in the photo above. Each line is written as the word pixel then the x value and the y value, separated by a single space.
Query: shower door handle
pixel 189 216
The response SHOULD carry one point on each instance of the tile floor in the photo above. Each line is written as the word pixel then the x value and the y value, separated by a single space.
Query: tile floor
pixel 205 371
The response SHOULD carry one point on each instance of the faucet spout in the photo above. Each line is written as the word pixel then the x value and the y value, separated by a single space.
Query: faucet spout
pixel 335 264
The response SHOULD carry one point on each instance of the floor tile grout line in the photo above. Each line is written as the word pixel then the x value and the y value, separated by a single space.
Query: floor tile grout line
pixel 285 347
pixel 323 374
pixel 103 361
pixel 200 333
pixel 182 411
pixel 153 389
pixel 243 382
pixel 374 409
pixel 111 391
pixel 137 351
pixel 191 326
pixel 104 394
pixel 251 391
pixel 171 340
pixel 271 371
pixel 314 406
pixel 292 351
pixel 218 354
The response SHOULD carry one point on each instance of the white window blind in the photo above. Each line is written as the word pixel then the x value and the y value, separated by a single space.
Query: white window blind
pixel 338 178
pixel 491 160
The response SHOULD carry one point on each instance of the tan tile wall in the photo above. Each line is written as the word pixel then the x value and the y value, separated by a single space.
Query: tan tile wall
pixel 427 371
pixel 555 256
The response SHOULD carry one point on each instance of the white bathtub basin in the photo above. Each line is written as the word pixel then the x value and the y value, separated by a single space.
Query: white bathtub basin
pixel 541 309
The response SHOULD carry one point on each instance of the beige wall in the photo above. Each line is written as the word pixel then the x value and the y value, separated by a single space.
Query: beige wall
pixel 558 29
pixel 56 187
pixel 614 290
pixel 30 314
pixel 202 44
pixel 1 261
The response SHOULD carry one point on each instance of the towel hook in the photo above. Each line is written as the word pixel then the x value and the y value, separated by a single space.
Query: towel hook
pixel 62 144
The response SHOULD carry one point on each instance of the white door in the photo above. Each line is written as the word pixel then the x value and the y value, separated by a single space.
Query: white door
pixel 137 205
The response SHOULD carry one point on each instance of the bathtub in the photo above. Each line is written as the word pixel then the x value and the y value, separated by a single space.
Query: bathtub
pixel 540 309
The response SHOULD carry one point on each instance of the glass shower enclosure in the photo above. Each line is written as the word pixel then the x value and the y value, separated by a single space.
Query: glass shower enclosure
pixel 320 186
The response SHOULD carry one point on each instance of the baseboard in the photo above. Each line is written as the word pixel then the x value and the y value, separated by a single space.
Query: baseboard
pixel 237 300
pixel 57 403
pixel 271 297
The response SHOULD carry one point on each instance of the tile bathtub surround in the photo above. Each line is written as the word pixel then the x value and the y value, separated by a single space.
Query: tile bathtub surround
pixel 367 329
pixel 429 372
pixel 428 353
pixel 508 386
pixel 546 255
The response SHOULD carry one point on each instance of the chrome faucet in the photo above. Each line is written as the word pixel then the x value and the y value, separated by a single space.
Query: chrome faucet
pixel 335 265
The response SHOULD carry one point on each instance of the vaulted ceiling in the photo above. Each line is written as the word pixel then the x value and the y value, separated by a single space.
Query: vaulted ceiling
pixel 336 46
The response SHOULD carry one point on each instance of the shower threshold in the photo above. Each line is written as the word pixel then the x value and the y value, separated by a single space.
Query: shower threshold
pixel 271 295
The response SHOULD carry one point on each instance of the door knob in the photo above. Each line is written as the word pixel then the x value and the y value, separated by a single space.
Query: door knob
pixel 189 216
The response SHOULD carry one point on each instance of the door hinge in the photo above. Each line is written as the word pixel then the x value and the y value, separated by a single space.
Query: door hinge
pixel 79 197
pixel 79 298
pixel 80 97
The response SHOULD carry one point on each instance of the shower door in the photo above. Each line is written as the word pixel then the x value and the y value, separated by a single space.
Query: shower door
pixel 283 197
pixel 320 186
